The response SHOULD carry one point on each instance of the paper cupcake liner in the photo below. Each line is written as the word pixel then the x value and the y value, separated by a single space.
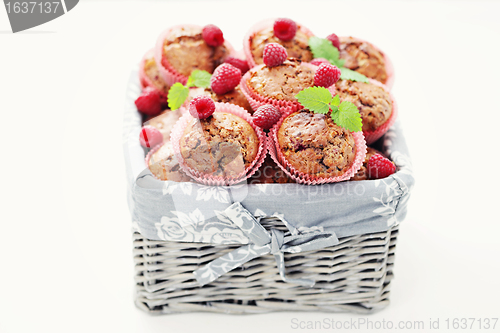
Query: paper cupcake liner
pixel 304 178
pixel 146 81
pixel 372 136
pixel 178 132
pixel 169 73
pixel 259 27
pixel 389 68
pixel 256 100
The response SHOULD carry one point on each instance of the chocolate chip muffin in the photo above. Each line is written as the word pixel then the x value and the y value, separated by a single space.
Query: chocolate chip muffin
pixel 373 102
pixel 235 96
pixel 298 47
pixel 282 82
pixel 221 145
pixel 313 144
pixel 164 166
pixel 363 58
pixel 362 173
pixel 185 50
pixel 269 173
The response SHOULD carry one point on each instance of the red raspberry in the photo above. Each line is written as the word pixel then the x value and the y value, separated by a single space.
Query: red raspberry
pixel 334 39
pixel 242 65
pixel 274 54
pixel 326 75
pixel 202 107
pixel 380 167
pixel 319 61
pixel 266 116
pixel 149 102
pixel 285 29
pixel 212 35
pixel 150 137
pixel 225 78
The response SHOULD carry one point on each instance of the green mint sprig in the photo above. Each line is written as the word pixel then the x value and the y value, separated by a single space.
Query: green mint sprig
pixel 178 93
pixel 319 100
pixel 323 48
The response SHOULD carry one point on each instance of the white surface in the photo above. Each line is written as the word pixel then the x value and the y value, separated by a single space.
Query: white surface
pixel 63 86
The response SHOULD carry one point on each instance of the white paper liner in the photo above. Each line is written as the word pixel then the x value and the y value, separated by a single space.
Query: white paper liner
pixel 178 132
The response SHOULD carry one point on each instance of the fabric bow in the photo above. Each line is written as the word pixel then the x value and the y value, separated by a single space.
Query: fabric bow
pixel 261 243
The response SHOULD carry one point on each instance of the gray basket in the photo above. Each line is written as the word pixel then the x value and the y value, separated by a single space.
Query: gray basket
pixel 353 275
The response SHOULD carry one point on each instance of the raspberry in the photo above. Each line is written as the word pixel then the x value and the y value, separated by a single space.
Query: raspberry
pixel 274 54
pixel 326 75
pixel 242 65
pixel 201 107
pixel 149 102
pixel 285 29
pixel 212 35
pixel 225 78
pixel 380 167
pixel 319 61
pixel 150 137
pixel 334 39
pixel 266 116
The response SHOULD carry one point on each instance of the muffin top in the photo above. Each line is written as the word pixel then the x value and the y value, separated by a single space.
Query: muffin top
pixel 282 82
pixel 165 121
pixel 164 166
pixel 185 50
pixel 313 144
pixel 220 145
pixel 363 58
pixel 373 102
pixel 362 173
pixel 152 72
pixel 269 173
pixel 298 47
pixel 235 96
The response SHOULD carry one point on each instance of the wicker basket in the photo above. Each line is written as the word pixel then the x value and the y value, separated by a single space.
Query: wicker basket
pixel 352 276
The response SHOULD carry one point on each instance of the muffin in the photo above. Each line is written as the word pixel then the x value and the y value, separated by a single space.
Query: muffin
pixel 222 145
pixel 235 97
pixel 182 49
pixel 164 165
pixel 364 58
pixel 150 76
pixel 312 144
pixel 270 173
pixel 262 34
pixel 362 173
pixel 375 105
pixel 164 122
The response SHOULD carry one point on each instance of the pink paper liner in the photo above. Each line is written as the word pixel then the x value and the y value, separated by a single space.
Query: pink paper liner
pixel 257 100
pixel 146 81
pixel 178 132
pixel 372 136
pixel 303 178
pixel 169 73
pixel 389 68
pixel 267 23
pixel 151 153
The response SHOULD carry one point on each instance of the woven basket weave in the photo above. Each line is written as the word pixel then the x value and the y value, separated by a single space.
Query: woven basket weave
pixel 352 276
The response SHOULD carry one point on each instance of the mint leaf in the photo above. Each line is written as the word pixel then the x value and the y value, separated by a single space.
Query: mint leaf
pixel 323 48
pixel 348 74
pixel 316 99
pixel 177 95
pixel 199 78
pixel 348 117
pixel 336 100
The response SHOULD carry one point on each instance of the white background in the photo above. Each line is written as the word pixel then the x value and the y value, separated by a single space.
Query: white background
pixel 65 248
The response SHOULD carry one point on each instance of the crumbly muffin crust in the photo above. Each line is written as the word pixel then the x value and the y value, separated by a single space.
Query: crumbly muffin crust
pixel 235 96
pixel 363 58
pixel 373 102
pixel 185 50
pixel 282 82
pixel 152 72
pixel 164 166
pixel 313 144
pixel 298 47
pixel 164 122
pixel 220 145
